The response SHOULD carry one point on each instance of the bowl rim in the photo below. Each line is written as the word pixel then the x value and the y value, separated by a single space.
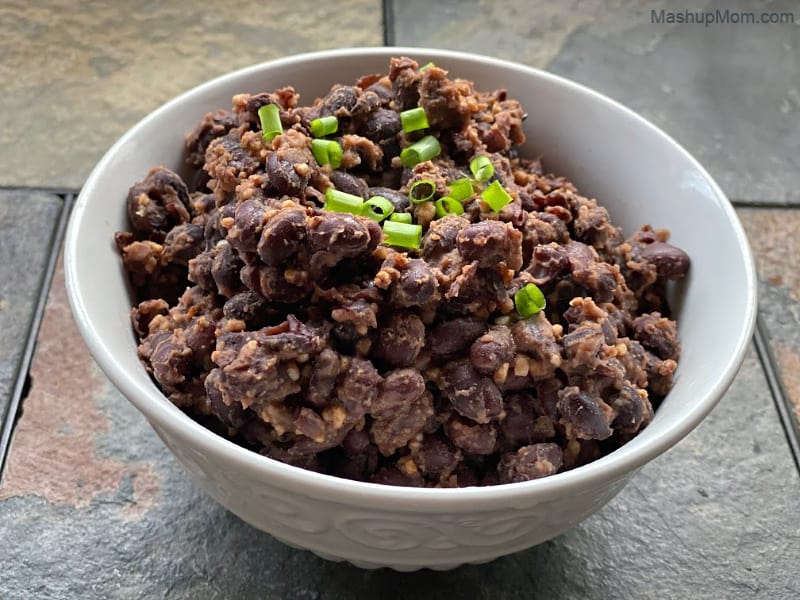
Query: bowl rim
pixel 157 409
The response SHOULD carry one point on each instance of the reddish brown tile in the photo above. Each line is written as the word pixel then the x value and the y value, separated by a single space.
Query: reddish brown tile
pixel 54 451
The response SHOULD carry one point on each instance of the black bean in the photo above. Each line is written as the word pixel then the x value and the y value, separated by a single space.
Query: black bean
pixel 225 270
pixel 359 388
pixel 283 178
pixel 248 220
pixel 200 337
pixel 253 309
pixel 384 93
pixel 522 425
pixel 471 437
pixel 398 389
pixel 145 312
pixel 214 231
pixel 213 125
pixel 417 285
pixel 442 235
pixel 451 337
pixel 583 416
pixel 282 236
pixel 183 243
pixel 271 283
pixel 327 367
pixel 158 203
pixel 471 394
pixel 340 234
pixel 356 442
pixel 393 431
pixel 633 410
pixel 349 183
pixel 530 462
pixel 381 124
pixel 398 200
pixel 171 358
pixel 492 349
pixel 400 340
pixel 436 457
pixel 390 475
pixel 230 413
pixel 657 334
pixel 490 242
pixel 200 271
pixel 340 101
pixel 547 263
pixel 670 262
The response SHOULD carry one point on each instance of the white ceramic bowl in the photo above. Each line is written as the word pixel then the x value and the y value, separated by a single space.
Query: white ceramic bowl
pixel 633 168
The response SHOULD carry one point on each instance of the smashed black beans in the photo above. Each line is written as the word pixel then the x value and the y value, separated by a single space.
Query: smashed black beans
pixel 312 342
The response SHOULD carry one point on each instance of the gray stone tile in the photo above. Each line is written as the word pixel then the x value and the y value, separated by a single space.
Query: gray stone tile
pixel 773 235
pixel 92 505
pixel 729 93
pixel 27 224
pixel 77 75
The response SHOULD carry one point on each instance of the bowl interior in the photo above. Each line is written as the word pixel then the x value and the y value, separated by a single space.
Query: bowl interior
pixel 631 167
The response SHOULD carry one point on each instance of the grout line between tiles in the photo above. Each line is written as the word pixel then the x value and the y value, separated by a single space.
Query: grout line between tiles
pixel 20 383
pixel 770 204
pixel 778 392
pixel 58 191
pixel 388 23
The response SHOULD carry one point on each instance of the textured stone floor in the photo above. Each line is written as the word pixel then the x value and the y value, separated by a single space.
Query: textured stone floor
pixel 729 93
pixel 91 503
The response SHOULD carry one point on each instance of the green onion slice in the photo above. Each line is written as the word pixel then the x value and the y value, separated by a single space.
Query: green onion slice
pixel 461 189
pixel 336 201
pixel 270 121
pixel 426 65
pixel 421 191
pixel 407 235
pixel 401 217
pixel 324 126
pixel 495 196
pixel 482 168
pixel 414 119
pixel 448 205
pixel 378 208
pixel 425 149
pixel 327 152
pixel 529 301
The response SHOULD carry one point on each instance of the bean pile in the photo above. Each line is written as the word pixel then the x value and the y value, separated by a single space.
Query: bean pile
pixel 301 334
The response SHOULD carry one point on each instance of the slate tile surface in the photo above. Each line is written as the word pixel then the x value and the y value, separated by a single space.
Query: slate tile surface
pixel 730 93
pixel 27 224
pixel 775 238
pixel 93 505
pixel 76 75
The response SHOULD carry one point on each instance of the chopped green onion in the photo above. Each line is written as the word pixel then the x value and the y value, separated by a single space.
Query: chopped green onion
pixel 378 208
pixel 336 201
pixel 425 149
pixel 461 189
pixel 421 191
pixel 407 235
pixel 426 65
pixel 270 121
pixel 327 152
pixel 482 168
pixel 324 126
pixel 448 206
pixel 414 119
pixel 529 300
pixel 495 196
pixel 401 217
